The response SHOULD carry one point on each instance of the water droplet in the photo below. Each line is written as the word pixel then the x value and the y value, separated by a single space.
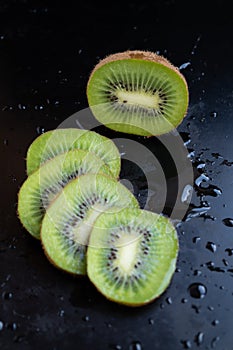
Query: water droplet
pixel 197 273
pixel 86 318
pixel 199 338
pixel 209 217
pixel 213 114
pixel 227 163
pixel 228 222
pixel 191 153
pixel 186 344
pixel 18 338
pixel 186 138
pixel 215 322
pixel 117 347
pixel 187 193
pixel 211 246
pixel 39 107
pixel 210 190
pixel 7 295
pixel 1 326
pixel 200 165
pixel 40 130
pixel 225 262
pixel 12 326
pixel 214 342
pixel 63 80
pixel 151 321
pixel 201 178
pixel 61 313
pixel 197 290
pixel 169 300
pixel 184 65
pixel 13 179
pixel 184 300
pixel 210 265
pixel 196 308
pixel 21 106
pixel 229 251
pixel 7 108
pixel 135 345
pixel 216 155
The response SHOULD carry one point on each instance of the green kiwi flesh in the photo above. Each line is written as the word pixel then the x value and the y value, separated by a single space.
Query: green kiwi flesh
pixel 54 142
pixel 41 187
pixel 68 221
pixel 132 255
pixel 138 92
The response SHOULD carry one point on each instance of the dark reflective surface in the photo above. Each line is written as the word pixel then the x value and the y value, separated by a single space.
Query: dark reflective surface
pixel 46 54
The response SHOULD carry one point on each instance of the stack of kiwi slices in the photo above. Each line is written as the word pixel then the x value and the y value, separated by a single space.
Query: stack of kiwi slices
pixel 72 200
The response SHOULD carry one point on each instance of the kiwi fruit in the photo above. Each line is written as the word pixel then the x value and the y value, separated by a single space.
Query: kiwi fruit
pixel 68 221
pixel 132 255
pixel 54 142
pixel 138 92
pixel 41 187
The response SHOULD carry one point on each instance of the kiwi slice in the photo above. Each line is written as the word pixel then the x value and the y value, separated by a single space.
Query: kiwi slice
pixel 54 142
pixel 67 224
pixel 132 255
pixel 138 92
pixel 41 187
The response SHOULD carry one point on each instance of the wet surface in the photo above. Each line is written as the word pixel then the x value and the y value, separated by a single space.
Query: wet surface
pixel 47 53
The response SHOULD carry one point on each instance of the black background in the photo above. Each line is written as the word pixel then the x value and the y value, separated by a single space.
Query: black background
pixel 47 51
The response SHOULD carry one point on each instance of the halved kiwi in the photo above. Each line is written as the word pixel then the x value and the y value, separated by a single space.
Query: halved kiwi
pixel 41 187
pixel 68 222
pixel 132 255
pixel 54 142
pixel 138 92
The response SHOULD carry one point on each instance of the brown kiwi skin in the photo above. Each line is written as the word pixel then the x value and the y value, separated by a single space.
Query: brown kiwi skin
pixel 142 55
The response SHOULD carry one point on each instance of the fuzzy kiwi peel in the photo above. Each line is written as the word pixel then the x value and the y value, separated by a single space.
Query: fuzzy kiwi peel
pixel 138 92
pixel 131 256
